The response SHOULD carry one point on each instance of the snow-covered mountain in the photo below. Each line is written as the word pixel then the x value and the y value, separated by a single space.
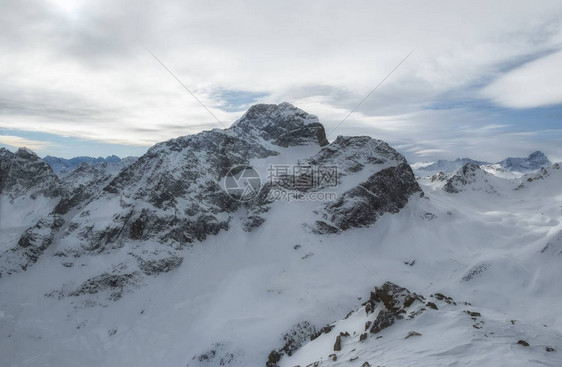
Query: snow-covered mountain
pixel 507 168
pixel 158 262
pixel 66 165
pixel 533 162
pixel 443 165
pixel 28 190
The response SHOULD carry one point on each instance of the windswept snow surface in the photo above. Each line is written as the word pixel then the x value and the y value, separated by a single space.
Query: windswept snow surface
pixel 500 252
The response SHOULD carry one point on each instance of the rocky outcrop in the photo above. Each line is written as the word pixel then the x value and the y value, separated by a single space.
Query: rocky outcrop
pixel 23 173
pixel 283 125
pixel 470 177
pixel 386 191
pixel 297 335
pixel 31 245
pixel 217 355
pixel 351 154
pixel 386 304
pixel 114 284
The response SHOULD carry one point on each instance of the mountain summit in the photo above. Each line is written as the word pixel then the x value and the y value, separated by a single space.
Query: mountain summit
pixel 534 161
pixel 284 125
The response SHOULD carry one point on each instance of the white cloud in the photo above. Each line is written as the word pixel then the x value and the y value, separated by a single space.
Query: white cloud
pixel 535 84
pixel 18 141
pixel 80 69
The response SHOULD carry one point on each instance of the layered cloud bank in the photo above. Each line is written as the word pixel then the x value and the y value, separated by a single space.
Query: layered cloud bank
pixel 82 70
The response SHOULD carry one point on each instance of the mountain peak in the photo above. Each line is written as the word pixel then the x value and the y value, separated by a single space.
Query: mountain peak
pixel 534 161
pixel 283 124
pixel 261 115
pixel 26 153
pixel 538 155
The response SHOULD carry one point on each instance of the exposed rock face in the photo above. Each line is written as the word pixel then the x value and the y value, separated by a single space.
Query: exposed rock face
pixel 297 335
pixel 160 265
pixel 283 125
pixel 85 181
pixel 352 153
pixel 392 303
pixel 386 191
pixel 218 355
pixel 394 297
pixel 115 284
pixel 31 245
pixel 470 176
pixel 384 319
pixel 25 174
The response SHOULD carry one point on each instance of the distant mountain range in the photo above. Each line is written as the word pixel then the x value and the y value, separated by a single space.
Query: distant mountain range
pixel 533 162
pixel 61 164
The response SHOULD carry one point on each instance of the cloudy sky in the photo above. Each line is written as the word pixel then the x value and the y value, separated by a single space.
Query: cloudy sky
pixel 484 81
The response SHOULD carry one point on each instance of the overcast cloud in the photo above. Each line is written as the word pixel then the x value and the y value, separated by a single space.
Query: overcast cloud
pixel 80 68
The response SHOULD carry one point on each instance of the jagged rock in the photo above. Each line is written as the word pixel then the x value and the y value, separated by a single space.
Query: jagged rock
pixel 386 191
pixel 337 344
pixel 469 175
pixel 218 355
pixel 31 245
pixel 283 125
pixel 352 153
pixel 325 330
pixel 24 173
pixel 273 358
pixel 473 313
pixel 432 305
pixel 444 298
pixel 298 335
pixel 475 271
pixel 412 333
pixel 384 319
pixel 394 297
pixel 116 284
pixel 158 266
